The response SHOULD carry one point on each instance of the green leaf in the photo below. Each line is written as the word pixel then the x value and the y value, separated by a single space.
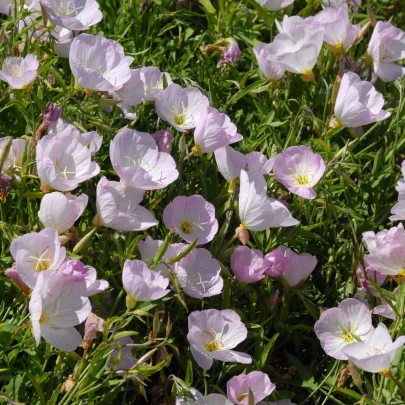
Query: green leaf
pixel 266 351
pixel 305 374
pixel 146 370
pixel 184 253
pixel 208 7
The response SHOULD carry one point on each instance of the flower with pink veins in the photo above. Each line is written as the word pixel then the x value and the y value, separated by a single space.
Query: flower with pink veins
pixel 340 327
pixel 258 212
pixel 199 274
pixel 293 268
pixel 14 157
pixel 35 252
pixel 299 170
pixel 60 211
pixel 238 387
pixel 213 131
pixel 98 63
pixel 92 140
pixel 19 72
pixel 213 334
pixel 191 218
pixel 77 15
pixel 118 207
pixel 63 162
pixel 340 33
pixel 164 140
pixel 376 354
pixel 181 107
pixel 274 5
pixel 358 103
pixel 141 283
pixel 56 308
pixel 137 160
pixel 148 249
pixel 387 46
pixel 198 399
pixel 266 56
pixel 248 264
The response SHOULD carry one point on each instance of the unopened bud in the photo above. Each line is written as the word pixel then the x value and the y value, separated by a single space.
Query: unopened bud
pixel 242 234
pixel 13 274
pixel 68 384
pixel 274 299
pixel 6 183
pixel 93 325
pixel 371 16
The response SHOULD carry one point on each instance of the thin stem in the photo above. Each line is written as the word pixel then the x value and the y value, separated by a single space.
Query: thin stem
pixel 389 375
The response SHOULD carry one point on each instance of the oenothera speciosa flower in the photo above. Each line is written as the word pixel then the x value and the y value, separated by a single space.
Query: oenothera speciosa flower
pixel 19 72
pixel 197 398
pixel 92 140
pixel 164 139
pixel 121 359
pixel 237 388
pixel 77 15
pixel 5 6
pixel 181 107
pixel 118 207
pixel 56 307
pixel 398 210
pixel 98 63
pixel 340 327
pixel 358 103
pixel 137 160
pixel 199 274
pixel 340 33
pixel 274 5
pixel 230 52
pixel 63 162
pixel 258 212
pixel 148 249
pixel 35 252
pixel 12 273
pixel 266 56
pixel 213 131
pixel 293 268
pixel 386 46
pixel 387 251
pixel 230 162
pixel 141 283
pixel 248 264
pixel 299 170
pixel 376 354
pixel 63 38
pixel 213 334
pixel 60 211
pixel 14 157
pixel 192 218
pixel 337 3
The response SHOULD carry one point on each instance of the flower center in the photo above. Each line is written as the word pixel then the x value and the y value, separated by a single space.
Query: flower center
pixel 17 70
pixel 42 262
pixel 65 8
pixel 179 119
pixel 241 397
pixel 186 227
pixel 213 342
pixel 302 179
pixel 348 336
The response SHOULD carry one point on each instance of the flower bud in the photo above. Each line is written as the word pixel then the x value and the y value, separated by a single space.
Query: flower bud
pixel 13 274
pixel 242 234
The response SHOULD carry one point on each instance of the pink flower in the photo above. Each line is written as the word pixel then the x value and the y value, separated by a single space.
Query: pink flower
pixel 213 131
pixel 148 249
pixel 152 79
pixel 376 354
pixel 230 52
pixel 386 46
pixel 75 15
pixel 291 267
pixel 56 308
pixel 60 211
pixel 121 359
pixel 198 399
pixel 266 56
pixel 340 33
pixel 199 274
pixel 358 103
pixel 91 140
pixel 137 160
pixel 237 387
pixel 63 38
pixel 299 170
pixel 93 325
pixel 118 207
pixel 98 63
pixel 181 107
pixel 20 73
pixel 248 264
pixel 141 283
pixel 14 157
pixel 258 212
pixel 164 140
pixel 36 252
pixel 213 334
pixel 192 218
pixel 12 273
pixel 274 5
pixel 63 162
pixel 398 210
pixel 340 327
